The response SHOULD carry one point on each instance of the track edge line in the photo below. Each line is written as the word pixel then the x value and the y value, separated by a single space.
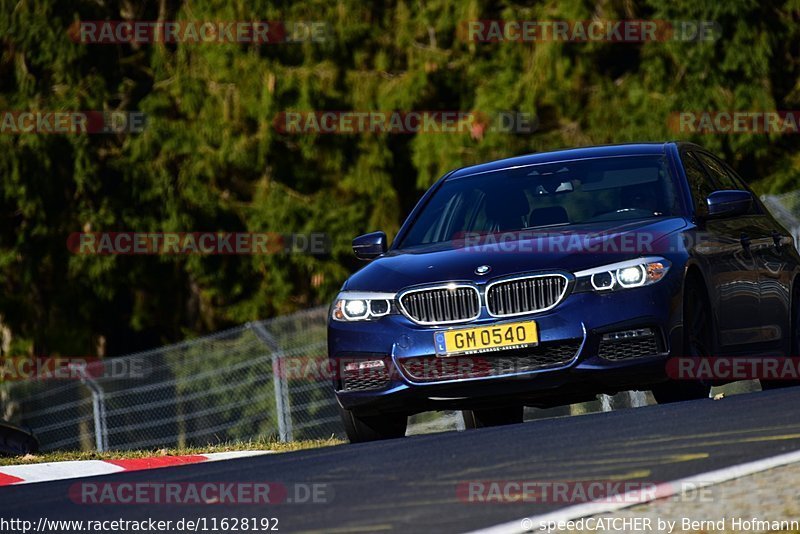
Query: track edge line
pixel 665 490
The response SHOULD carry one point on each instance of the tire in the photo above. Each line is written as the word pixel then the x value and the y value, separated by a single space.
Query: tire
pixel 794 350
pixel 15 441
pixel 698 341
pixel 494 417
pixel 361 429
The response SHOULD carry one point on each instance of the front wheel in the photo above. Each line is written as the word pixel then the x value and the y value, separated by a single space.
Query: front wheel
pixel 15 441
pixel 698 343
pixel 360 429
pixel 493 417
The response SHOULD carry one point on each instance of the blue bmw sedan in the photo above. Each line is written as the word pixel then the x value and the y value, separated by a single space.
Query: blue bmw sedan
pixel 547 279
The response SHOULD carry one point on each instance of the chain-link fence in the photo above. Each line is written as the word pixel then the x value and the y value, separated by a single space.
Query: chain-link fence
pixel 230 386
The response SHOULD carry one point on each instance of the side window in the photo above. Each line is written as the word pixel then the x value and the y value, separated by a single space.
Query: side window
pixel 699 182
pixel 740 184
pixel 725 177
pixel 718 172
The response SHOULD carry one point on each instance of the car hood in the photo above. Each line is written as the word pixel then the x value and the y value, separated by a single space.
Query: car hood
pixel 572 249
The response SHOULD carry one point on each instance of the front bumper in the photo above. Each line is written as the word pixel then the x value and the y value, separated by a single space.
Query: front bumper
pixel 573 331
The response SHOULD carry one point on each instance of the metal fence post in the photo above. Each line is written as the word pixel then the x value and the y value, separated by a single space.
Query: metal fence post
pixel 606 404
pixel 98 409
pixel 279 384
pixel 460 424
pixel 281 400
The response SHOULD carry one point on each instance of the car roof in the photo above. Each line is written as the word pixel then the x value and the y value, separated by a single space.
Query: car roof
pixel 628 149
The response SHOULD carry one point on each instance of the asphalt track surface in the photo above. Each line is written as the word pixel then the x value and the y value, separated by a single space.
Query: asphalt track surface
pixel 410 484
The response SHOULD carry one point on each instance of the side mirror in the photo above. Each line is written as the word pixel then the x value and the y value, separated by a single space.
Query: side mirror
pixel 728 203
pixel 369 246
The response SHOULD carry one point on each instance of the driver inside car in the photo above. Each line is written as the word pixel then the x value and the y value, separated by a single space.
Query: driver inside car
pixel 507 211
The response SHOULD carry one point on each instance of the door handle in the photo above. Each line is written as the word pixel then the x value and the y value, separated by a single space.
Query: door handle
pixel 779 240
pixel 745 241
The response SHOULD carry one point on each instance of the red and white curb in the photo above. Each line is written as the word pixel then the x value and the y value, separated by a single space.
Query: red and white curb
pixel 45 472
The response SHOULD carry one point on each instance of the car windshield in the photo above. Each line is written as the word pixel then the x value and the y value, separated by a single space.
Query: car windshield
pixel 547 195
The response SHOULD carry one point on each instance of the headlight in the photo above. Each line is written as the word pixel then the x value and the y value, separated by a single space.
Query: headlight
pixel 622 275
pixel 362 305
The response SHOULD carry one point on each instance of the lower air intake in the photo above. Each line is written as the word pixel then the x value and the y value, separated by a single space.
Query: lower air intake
pixel 543 356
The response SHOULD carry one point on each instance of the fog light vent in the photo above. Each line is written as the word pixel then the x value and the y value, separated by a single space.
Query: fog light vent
pixel 629 344
pixel 628 334
pixel 365 375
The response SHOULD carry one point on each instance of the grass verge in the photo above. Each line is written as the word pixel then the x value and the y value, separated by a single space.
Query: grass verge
pixel 256 445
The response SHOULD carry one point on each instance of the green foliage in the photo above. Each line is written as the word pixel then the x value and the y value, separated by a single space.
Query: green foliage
pixel 210 158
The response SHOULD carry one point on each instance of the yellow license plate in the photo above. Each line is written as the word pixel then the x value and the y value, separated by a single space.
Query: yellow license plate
pixel 486 338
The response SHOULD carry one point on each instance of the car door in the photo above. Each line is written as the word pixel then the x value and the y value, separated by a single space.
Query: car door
pixel 771 246
pixel 737 274
pixel 729 262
